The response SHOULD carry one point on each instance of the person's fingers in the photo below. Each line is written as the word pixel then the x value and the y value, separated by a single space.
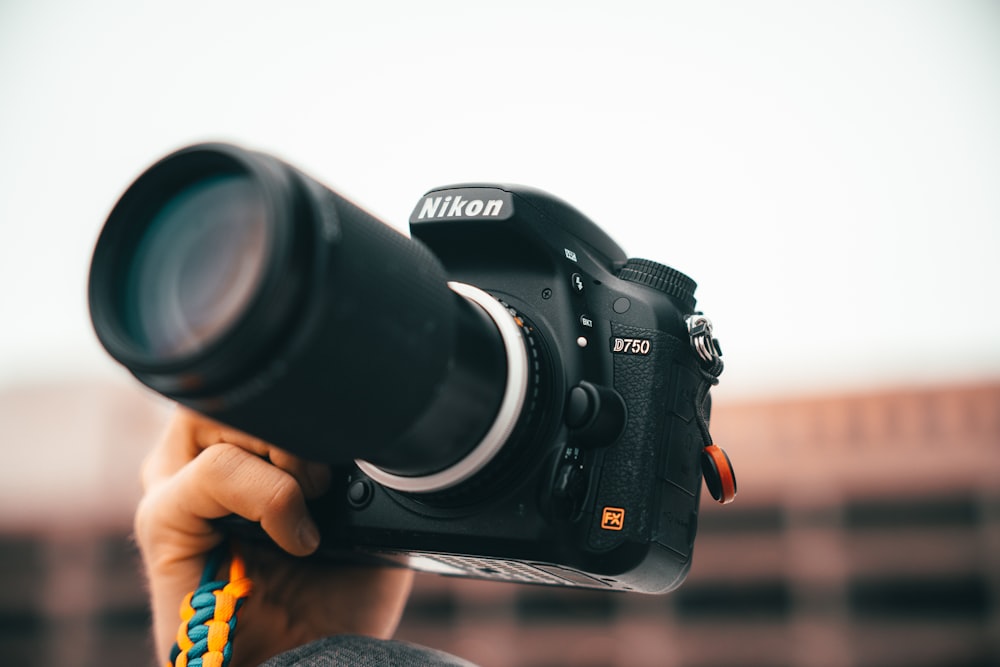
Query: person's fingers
pixel 208 432
pixel 189 433
pixel 226 479
pixel 174 449
pixel 314 478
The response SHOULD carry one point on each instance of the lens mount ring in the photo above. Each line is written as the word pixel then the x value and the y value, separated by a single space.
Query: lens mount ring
pixel 508 414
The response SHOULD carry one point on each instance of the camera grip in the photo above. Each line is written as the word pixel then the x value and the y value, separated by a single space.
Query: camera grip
pixel 650 479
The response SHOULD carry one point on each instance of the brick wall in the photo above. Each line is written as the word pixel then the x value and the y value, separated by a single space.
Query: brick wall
pixel 866 533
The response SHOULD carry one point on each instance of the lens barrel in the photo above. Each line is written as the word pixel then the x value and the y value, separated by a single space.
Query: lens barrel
pixel 229 281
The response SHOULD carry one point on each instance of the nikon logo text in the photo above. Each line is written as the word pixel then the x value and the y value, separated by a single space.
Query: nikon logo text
pixel 457 207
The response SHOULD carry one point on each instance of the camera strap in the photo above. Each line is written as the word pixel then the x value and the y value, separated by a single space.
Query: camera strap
pixel 716 467
pixel 209 613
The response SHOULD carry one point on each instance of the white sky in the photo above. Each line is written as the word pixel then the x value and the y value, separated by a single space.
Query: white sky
pixel 828 172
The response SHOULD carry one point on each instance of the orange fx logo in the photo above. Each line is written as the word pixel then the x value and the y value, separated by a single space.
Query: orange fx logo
pixel 613 518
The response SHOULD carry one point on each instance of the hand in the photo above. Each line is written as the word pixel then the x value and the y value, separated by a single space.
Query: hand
pixel 203 470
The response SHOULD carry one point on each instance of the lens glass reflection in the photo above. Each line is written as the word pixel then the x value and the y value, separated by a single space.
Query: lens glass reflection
pixel 197 266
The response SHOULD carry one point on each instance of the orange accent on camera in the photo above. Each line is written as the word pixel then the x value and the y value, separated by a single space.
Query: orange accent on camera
pixel 727 478
pixel 613 518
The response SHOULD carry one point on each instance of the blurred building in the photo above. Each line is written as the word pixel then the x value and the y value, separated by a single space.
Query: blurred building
pixel 866 534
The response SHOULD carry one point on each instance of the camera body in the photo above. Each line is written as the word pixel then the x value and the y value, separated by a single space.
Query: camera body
pixel 600 482
pixel 504 395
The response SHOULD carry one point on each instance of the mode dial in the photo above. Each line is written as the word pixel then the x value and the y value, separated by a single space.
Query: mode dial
pixel 660 277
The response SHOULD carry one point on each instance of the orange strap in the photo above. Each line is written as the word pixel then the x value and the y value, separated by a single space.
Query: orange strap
pixel 209 614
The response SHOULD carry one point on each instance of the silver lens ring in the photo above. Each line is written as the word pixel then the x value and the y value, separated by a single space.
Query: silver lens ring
pixel 503 425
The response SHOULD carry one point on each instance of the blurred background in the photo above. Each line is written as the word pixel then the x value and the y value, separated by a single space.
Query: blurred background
pixel 827 172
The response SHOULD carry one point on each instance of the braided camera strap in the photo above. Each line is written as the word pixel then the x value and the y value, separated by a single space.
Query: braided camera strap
pixel 209 614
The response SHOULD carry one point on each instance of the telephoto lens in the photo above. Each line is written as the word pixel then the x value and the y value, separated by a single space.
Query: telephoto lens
pixel 229 281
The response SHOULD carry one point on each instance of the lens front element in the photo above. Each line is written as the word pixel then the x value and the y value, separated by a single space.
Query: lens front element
pixel 196 267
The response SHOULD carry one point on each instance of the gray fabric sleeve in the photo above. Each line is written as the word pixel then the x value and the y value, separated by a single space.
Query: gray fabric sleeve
pixel 360 651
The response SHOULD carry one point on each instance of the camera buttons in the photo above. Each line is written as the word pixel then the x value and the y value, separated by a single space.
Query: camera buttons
pixel 570 486
pixel 576 280
pixel 359 493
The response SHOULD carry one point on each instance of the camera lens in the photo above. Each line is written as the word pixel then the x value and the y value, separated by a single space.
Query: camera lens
pixel 196 266
pixel 231 282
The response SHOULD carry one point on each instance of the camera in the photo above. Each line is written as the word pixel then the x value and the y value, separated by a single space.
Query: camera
pixel 503 395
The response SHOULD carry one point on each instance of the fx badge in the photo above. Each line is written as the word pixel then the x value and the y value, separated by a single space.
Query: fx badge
pixel 613 518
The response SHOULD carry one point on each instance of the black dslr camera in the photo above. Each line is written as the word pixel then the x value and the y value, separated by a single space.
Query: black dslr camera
pixel 506 395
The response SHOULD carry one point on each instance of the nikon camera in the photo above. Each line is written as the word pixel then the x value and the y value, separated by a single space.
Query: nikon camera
pixel 505 395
